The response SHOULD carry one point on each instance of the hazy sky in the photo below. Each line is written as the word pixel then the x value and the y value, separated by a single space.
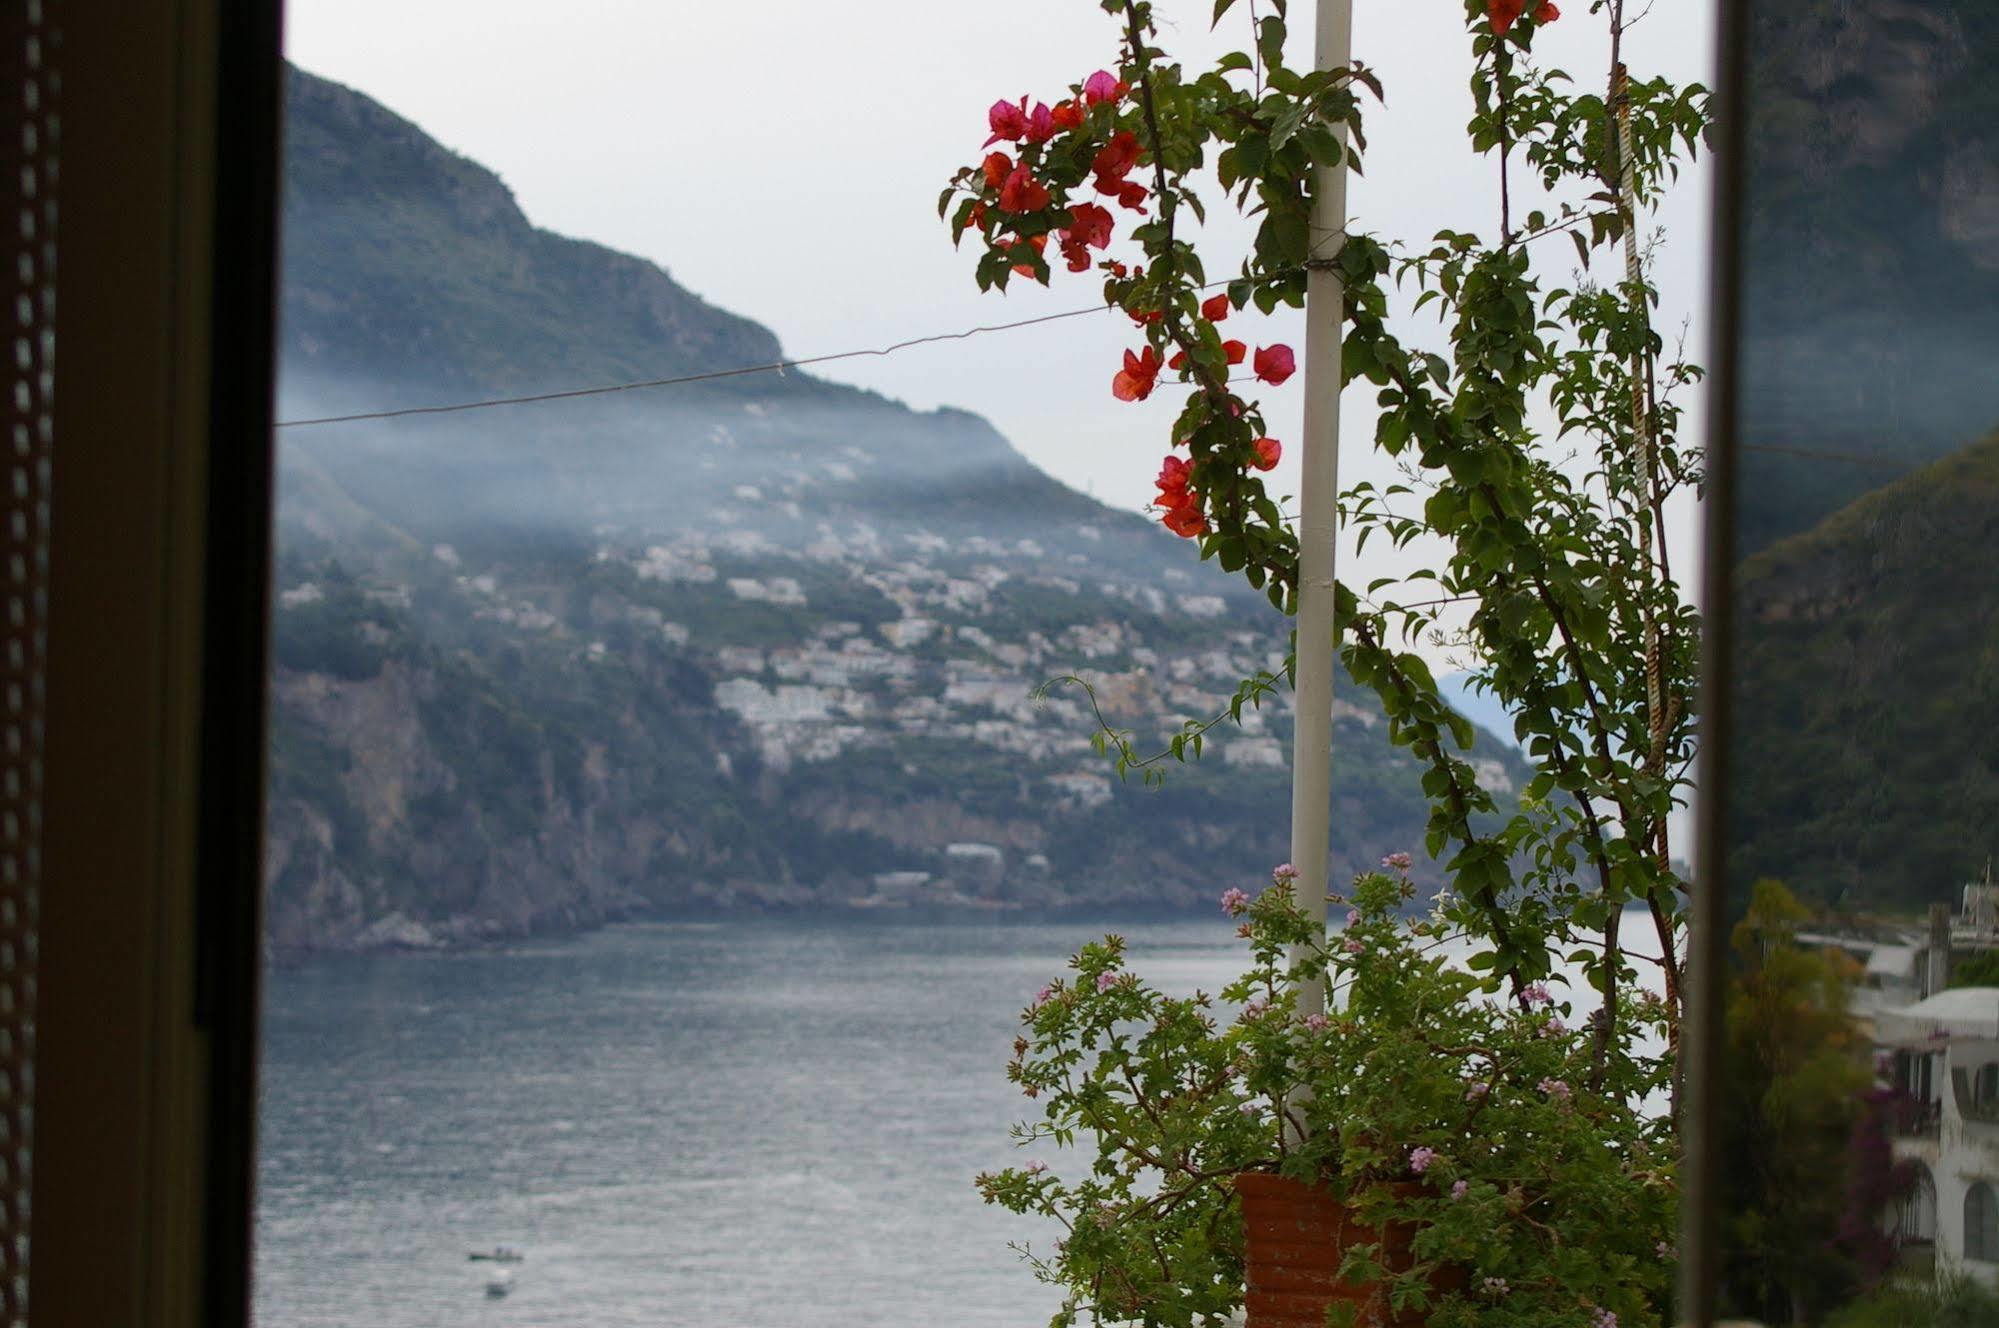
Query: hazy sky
pixel 782 158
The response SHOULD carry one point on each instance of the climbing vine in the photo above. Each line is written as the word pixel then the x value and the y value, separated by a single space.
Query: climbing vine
pixel 1538 433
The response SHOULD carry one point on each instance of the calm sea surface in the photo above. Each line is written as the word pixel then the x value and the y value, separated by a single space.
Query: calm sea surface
pixel 756 1124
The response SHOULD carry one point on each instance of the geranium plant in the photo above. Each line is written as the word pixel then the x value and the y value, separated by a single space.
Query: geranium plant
pixel 1533 1198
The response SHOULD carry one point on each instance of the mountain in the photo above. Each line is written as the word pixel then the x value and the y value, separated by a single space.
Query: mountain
pixel 760 642
pixel 1871 248
pixel 1864 769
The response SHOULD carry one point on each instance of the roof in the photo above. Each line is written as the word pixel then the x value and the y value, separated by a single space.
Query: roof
pixel 1961 1012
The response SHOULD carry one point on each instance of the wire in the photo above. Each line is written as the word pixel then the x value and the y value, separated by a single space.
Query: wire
pixel 778 366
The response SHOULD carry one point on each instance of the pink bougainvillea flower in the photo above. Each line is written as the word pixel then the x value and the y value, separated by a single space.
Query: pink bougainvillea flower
pixel 1216 307
pixel 1105 981
pixel 1284 872
pixel 1234 901
pixel 1234 351
pixel 1134 381
pixel 1545 12
pixel 1421 1158
pixel 1067 115
pixel 1091 224
pixel 1396 862
pixel 997 167
pixel 1022 192
pixel 1103 86
pixel 1554 1088
pixel 1007 121
pixel 1268 452
pixel 1040 124
pixel 1274 364
pixel 1504 14
pixel 1318 1023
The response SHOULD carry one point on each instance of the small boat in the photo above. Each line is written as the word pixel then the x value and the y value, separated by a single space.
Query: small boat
pixel 498 1254
pixel 499 1283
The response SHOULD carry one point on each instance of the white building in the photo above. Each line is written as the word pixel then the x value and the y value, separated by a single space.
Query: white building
pixel 1944 1052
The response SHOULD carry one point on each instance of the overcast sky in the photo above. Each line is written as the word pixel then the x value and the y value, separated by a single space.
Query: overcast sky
pixel 782 158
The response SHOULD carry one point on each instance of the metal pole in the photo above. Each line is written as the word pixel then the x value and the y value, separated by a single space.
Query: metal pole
pixel 1318 525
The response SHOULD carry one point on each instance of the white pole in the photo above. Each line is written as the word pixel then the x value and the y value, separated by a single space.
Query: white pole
pixel 1318 523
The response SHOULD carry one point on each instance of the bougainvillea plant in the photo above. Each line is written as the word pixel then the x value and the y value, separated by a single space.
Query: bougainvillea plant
pixel 1538 439
pixel 1539 1199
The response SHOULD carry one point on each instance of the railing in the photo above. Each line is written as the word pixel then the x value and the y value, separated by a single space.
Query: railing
pixel 1918 1120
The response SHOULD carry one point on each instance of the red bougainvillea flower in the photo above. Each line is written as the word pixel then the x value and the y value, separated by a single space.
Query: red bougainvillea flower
pixel 1134 381
pixel 1268 452
pixel 1022 192
pixel 1234 350
pixel 1067 115
pixel 1216 307
pixel 1274 364
pixel 1504 14
pixel 1545 12
pixel 1115 159
pixel 1040 124
pixel 997 167
pixel 1185 521
pixel 1007 121
pixel 1077 256
pixel 1091 225
pixel 1035 242
pixel 977 216
pixel 1131 194
pixel 1102 86
pixel 1179 509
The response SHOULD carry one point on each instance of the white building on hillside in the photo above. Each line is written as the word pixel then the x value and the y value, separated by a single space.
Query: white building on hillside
pixel 1944 1052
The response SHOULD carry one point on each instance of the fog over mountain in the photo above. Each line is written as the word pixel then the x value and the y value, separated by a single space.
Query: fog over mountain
pixel 759 642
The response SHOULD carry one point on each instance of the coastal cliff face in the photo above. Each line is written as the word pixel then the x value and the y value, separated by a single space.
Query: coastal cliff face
pixel 765 643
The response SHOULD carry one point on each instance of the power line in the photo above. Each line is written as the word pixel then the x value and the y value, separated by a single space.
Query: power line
pixel 777 366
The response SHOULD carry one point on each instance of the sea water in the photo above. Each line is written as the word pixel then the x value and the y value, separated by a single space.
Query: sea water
pixel 755 1123
pixel 748 1124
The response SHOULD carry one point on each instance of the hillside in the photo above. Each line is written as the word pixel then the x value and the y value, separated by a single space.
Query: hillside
pixel 767 642
pixel 1872 245
pixel 1865 762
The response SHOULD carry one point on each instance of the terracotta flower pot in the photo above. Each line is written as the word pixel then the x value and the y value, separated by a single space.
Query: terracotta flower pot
pixel 1294 1237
